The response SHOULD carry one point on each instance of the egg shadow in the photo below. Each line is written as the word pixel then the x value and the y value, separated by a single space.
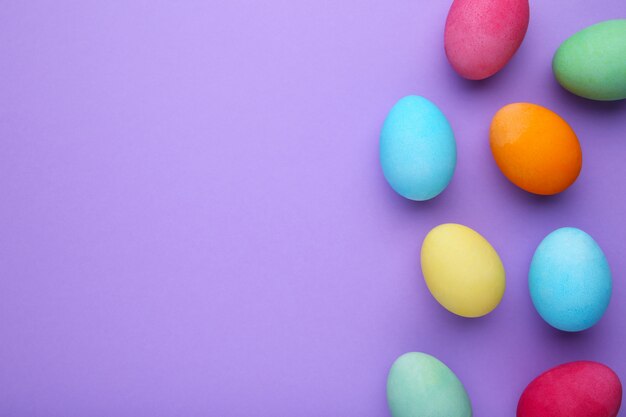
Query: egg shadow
pixel 459 324
pixel 441 318
pixel 565 346
pixel 399 203
pixel 473 86
pixel 432 205
pixel 604 109
pixel 563 337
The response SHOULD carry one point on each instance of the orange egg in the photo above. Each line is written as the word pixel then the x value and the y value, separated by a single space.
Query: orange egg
pixel 535 148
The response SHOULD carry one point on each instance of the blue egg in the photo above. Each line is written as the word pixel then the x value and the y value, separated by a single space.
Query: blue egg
pixel 570 280
pixel 417 149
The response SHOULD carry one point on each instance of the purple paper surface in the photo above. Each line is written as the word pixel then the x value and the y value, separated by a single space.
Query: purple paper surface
pixel 194 221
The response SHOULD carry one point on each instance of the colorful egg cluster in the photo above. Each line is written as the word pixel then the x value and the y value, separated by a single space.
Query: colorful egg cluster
pixel 569 279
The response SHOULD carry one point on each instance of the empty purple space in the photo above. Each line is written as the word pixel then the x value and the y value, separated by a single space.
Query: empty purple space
pixel 194 221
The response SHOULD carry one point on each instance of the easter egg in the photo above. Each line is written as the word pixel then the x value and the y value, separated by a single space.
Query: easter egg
pixel 570 280
pixel 592 62
pixel 417 149
pixel 481 36
pixel 462 270
pixel 420 385
pixel 575 389
pixel 535 148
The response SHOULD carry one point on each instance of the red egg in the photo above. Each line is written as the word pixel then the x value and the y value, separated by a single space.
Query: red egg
pixel 481 36
pixel 575 389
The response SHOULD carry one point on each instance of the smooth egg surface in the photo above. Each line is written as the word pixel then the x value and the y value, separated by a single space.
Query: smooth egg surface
pixel 592 62
pixel 535 148
pixel 417 149
pixel 462 270
pixel 420 385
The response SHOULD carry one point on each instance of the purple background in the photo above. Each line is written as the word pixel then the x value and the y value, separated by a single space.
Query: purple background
pixel 194 221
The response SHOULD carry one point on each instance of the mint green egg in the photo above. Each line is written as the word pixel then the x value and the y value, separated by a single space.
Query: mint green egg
pixel 420 385
pixel 592 62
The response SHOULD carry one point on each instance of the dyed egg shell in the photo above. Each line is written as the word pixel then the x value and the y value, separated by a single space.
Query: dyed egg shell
pixel 481 36
pixel 535 148
pixel 592 63
pixel 420 385
pixel 575 389
pixel 462 270
pixel 417 149
pixel 570 280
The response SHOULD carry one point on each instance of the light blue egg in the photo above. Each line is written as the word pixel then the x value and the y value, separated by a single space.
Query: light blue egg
pixel 570 280
pixel 417 149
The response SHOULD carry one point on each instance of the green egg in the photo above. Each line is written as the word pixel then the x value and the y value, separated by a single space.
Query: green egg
pixel 420 385
pixel 592 62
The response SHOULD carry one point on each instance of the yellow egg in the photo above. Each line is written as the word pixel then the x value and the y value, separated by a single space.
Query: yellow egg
pixel 462 270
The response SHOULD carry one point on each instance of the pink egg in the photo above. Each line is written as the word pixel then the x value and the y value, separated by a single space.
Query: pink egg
pixel 481 36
